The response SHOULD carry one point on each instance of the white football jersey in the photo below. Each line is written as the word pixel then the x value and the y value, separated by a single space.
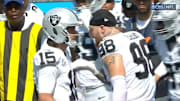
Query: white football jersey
pixel 3 17
pixel 51 69
pixel 118 14
pixel 122 20
pixel 87 51
pixel 34 14
pixel 138 66
pixel 171 57
pixel 87 79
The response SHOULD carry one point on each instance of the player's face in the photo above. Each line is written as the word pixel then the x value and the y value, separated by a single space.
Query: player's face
pixel 108 6
pixel 159 25
pixel 143 6
pixel 73 32
pixel 79 3
pixel 94 32
pixel 163 28
pixel 129 13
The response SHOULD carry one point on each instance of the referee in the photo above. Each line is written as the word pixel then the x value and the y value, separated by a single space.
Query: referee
pixel 19 41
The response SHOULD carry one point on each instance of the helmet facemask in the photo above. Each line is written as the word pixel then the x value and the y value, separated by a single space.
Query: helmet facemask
pixel 72 37
pixel 164 29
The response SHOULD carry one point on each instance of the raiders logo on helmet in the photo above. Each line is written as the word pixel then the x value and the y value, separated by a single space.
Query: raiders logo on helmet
pixel 54 19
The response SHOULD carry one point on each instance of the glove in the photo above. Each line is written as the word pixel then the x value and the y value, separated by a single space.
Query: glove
pixel 82 64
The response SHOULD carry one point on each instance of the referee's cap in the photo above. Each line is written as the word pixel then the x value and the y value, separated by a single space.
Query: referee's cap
pixel 17 1
pixel 103 17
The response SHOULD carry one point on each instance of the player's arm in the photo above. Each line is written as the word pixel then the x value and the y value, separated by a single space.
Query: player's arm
pixel 159 67
pixel 160 71
pixel 42 96
pixel 45 97
pixel 114 64
pixel 46 82
pixel 45 76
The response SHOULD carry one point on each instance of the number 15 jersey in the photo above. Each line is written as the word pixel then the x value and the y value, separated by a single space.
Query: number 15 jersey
pixel 136 59
pixel 51 69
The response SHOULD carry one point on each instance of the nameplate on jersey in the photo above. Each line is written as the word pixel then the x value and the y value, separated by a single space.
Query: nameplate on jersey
pixel 131 36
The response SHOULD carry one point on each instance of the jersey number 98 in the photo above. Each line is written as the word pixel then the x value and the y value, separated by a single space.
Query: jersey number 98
pixel 106 47
pixel 141 57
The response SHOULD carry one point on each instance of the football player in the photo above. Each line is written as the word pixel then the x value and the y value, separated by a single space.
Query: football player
pixel 166 28
pixel 144 25
pixel 87 48
pixel 51 66
pixel 33 11
pixel 90 87
pixel 126 58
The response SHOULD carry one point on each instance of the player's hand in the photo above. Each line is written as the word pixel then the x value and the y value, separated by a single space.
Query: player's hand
pixel 82 64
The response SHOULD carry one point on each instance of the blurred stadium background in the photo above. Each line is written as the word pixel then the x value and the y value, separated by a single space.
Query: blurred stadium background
pixel 54 0
pixel 48 0
pixel 45 5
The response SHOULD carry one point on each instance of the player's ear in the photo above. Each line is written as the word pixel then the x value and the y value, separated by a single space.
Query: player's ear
pixel 102 27
pixel 103 31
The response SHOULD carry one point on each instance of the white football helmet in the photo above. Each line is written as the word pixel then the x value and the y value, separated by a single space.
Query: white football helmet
pixel 165 23
pixel 55 24
pixel 174 55
pixel 93 5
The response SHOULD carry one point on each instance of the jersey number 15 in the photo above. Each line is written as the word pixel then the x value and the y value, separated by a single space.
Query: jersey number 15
pixel 47 58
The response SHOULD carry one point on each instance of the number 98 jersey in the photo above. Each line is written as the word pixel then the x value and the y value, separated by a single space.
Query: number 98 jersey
pixel 136 59
pixel 51 70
